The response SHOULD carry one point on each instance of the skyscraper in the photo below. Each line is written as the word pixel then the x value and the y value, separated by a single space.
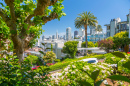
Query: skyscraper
pixel 64 37
pixel 56 34
pixel 75 33
pixel 68 33
pixel 53 37
pixel 43 37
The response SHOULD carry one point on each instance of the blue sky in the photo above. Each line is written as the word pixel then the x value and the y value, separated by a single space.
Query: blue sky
pixel 104 10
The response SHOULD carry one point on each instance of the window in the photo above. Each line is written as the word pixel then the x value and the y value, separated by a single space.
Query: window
pixel 117 26
pixel 108 27
pixel 123 27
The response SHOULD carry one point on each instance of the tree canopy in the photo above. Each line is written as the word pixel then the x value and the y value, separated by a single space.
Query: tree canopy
pixel 85 19
pixel 70 47
pixel 99 28
pixel 21 21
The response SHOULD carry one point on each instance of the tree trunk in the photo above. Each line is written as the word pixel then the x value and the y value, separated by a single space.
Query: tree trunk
pixel 19 50
pixel 85 26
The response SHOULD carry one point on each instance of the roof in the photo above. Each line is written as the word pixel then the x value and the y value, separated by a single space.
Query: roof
pixel 107 25
pixel 124 22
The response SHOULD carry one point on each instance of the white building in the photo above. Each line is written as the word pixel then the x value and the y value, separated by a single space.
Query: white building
pixel 58 46
pixel 97 36
pixel 57 35
pixel 68 33
pixel 116 26
pixel 81 32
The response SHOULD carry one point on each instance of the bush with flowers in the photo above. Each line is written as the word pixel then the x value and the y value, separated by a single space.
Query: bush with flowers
pixel 112 60
pixel 81 71
pixel 49 57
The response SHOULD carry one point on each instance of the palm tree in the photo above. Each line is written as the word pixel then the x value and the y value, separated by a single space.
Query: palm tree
pixel 99 28
pixel 85 19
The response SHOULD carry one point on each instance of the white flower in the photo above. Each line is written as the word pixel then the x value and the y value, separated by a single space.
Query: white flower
pixel 73 66
pixel 105 82
pixel 70 70
pixel 112 57
pixel 73 72
pixel 103 71
pixel 76 70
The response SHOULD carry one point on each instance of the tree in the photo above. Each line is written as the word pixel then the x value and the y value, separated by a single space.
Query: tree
pixel 121 40
pixel 49 57
pixel 23 20
pixel 70 47
pixel 106 44
pixel 99 28
pixel 90 44
pixel 86 19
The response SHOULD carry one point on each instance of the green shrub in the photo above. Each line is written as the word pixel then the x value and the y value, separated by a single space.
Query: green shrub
pixel 13 74
pixel 57 60
pixel 90 44
pixel 70 47
pixel 33 59
pixel 49 57
pixel 59 65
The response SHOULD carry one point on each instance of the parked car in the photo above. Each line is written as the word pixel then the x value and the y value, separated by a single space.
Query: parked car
pixel 90 60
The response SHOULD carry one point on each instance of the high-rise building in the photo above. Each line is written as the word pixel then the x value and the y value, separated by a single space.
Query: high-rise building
pixel 75 33
pixel 57 35
pixel 53 37
pixel 68 33
pixel 81 32
pixel 64 37
pixel 43 37
pixel 50 37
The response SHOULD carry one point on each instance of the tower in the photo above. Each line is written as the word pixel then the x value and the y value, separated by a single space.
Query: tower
pixel 68 33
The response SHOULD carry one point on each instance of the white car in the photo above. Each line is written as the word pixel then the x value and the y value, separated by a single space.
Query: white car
pixel 90 60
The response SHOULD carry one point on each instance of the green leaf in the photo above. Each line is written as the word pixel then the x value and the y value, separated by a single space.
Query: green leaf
pixel 98 83
pixel 119 77
pixel 127 65
pixel 84 83
pixel 94 75
pixel 119 54
pixel 42 52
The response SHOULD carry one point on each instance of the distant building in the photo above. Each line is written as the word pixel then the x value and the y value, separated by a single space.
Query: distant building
pixel 92 29
pixel 68 33
pixel 43 37
pixel 57 35
pixel 75 33
pixel 97 36
pixel 53 37
pixel 81 32
pixel 64 37
pixel 116 26
pixel 50 37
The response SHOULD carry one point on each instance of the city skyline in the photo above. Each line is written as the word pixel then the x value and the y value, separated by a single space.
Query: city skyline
pixel 105 12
